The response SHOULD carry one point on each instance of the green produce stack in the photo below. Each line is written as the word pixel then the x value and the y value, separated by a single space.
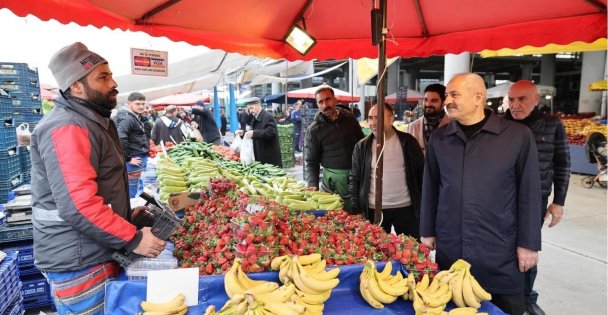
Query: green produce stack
pixel 286 142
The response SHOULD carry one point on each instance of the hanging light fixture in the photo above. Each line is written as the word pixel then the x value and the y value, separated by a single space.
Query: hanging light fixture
pixel 299 40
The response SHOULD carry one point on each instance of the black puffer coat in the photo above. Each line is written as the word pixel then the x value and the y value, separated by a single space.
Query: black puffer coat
pixel 330 144
pixel 132 133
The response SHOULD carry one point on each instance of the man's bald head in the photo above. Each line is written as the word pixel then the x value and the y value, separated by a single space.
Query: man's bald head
pixel 465 98
pixel 523 99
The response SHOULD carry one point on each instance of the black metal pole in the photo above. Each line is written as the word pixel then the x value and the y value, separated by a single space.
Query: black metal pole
pixel 381 91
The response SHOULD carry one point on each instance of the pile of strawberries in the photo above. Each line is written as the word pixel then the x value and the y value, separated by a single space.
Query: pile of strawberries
pixel 223 226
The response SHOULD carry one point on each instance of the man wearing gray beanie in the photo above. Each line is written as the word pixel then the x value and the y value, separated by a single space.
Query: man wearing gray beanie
pixel 80 201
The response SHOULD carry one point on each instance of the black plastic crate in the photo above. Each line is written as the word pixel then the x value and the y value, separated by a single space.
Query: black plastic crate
pixel 16 233
pixel 9 167
pixel 8 135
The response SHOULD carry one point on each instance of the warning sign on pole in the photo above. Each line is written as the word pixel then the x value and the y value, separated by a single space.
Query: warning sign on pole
pixel 149 62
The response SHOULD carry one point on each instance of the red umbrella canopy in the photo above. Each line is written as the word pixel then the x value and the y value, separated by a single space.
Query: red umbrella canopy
pixel 341 27
pixel 342 96
pixel 180 99
pixel 412 96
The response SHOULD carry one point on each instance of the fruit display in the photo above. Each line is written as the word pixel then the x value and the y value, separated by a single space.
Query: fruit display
pixel 207 239
pixel 579 129
pixel 466 291
pixel 171 178
pixel 175 306
pixel 380 288
pixel 248 304
pixel 226 153
pixel 286 145
pixel 190 148
pixel 157 149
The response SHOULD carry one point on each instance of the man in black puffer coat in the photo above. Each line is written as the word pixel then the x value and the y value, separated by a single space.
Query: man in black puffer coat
pixel 553 162
pixel 330 141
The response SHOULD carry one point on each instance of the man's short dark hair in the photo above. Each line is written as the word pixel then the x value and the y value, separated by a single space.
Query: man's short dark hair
pixel 437 88
pixel 136 96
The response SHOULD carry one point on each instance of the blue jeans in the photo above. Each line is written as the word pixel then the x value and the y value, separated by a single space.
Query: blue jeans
pixel 76 292
pixel 136 185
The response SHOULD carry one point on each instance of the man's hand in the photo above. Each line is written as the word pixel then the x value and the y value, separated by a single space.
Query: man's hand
pixel 249 134
pixel 527 258
pixel 238 132
pixel 150 246
pixel 556 212
pixel 135 161
pixel 429 241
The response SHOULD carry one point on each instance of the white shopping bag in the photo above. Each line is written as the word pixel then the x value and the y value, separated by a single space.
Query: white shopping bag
pixel 236 144
pixel 247 155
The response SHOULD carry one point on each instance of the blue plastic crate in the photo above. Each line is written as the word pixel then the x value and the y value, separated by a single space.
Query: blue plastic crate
pixel 6 107
pixel 8 135
pixel 9 152
pixel 25 256
pixel 16 308
pixel 25 160
pixel 21 85
pixel 9 167
pixel 29 271
pixel 33 288
pixel 37 302
pixel 16 233
pixel 9 296
pixel 26 100
pixel 10 70
pixel 27 117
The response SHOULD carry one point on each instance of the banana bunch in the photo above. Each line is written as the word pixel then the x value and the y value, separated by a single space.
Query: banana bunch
pixel 466 291
pixel 236 281
pixel 463 311
pixel 175 306
pixel 313 283
pixel 379 288
pixel 248 304
pixel 429 298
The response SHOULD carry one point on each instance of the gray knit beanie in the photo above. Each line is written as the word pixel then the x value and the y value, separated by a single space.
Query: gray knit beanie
pixel 72 63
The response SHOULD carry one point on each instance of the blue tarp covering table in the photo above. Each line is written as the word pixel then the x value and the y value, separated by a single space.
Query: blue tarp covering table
pixel 123 297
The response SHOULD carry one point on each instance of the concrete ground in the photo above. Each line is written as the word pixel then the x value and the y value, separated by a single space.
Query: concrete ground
pixel 572 276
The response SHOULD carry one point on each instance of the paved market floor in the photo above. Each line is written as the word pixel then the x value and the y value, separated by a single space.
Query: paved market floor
pixel 573 263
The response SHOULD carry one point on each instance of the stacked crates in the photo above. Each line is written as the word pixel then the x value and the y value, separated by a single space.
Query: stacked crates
pixel 22 84
pixel 10 170
pixel 286 144
pixel 25 164
pixel 10 286
pixel 308 116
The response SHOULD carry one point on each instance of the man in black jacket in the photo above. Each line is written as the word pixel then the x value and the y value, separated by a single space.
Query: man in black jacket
pixel 553 162
pixel 206 124
pixel 402 176
pixel 135 142
pixel 264 134
pixel 330 141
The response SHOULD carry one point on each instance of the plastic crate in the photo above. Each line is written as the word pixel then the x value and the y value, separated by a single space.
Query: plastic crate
pixel 22 101
pixel 25 256
pixel 8 135
pixel 20 85
pixel 9 152
pixel 6 107
pixel 33 288
pixel 25 160
pixel 37 302
pixel 9 281
pixel 9 167
pixel 27 117
pixel 12 70
pixel 16 233
pixel 16 308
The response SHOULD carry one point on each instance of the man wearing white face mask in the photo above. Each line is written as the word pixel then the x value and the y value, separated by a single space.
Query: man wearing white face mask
pixel 402 176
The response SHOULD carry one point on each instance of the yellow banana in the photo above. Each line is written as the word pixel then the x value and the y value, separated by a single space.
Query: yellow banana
pixel 393 290
pixel 386 272
pixel 263 288
pixel 231 282
pixel 276 262
pixel 449 276
pixel 325 275
pixel 467 291
pixel 482 294
pixel 285 271
pixel 435 310
pixel 317 267
pixel 246 281
pixel 456 287
pixel 435 301
pixel 235 309
pixel 433 286
pixel 309 259
pixel 417 302
pixel 313 298
pixel 284 308
pixel 375 291
pixel 210 310
pixel 398 277
pixel 173 304
pixel 280 295
pixel 444 288
pixel 315 285
pixel 424 283
pixel 440 275
pixel 463 311
pixel 364 289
